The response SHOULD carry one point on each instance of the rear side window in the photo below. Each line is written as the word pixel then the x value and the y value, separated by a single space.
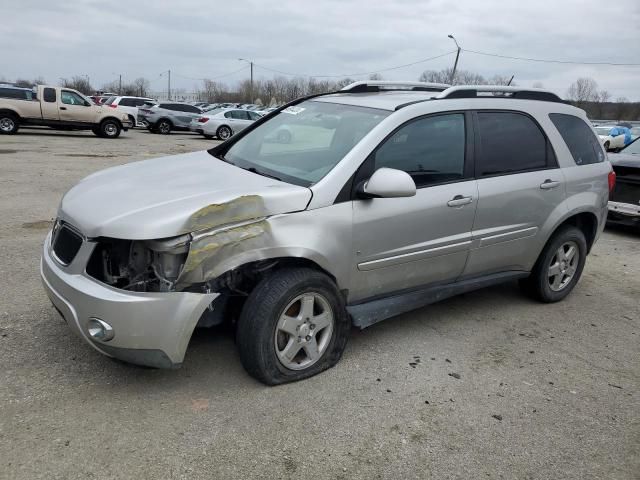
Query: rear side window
pixel 509 143
pixel 429 149
pixel 127 102
pixel 49 95
pixel 582 143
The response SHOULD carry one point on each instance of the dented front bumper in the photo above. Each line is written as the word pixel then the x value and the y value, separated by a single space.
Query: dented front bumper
pixel 150 328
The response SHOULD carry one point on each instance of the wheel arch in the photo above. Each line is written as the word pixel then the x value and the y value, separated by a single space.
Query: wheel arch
pixel 10 111
pixel 111 118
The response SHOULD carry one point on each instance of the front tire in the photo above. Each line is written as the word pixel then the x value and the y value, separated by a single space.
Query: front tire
pixel 293 325
pixel 9 123
pixel 110 128
pixel 559 267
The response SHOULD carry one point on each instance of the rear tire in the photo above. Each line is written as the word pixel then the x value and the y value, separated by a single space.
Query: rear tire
pixel 559 266
pixel 110 128
pixel 133 122
pixel 164 127
pixel 606 146
pixel 224 133
pixel 9 123
pixel 292 326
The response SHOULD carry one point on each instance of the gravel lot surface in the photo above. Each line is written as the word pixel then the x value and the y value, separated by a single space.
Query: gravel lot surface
pixel 485 385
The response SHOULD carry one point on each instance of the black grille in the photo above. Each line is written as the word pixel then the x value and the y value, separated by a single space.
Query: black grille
pixel 66 244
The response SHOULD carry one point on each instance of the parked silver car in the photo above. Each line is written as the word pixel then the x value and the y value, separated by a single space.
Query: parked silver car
pixel 223 123
pixel 387 198
pixel 168 116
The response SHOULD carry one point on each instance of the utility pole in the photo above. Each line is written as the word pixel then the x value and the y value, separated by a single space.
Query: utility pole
pixel 169 85
pixel 455 64
pixel 251 84
pixel 120 85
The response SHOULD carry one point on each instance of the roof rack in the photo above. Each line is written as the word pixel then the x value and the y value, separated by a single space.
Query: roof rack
pixel 499 91
pixel 390 85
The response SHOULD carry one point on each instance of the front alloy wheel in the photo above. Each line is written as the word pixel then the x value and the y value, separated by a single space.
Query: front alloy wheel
pixel 304 331
pixel 293 325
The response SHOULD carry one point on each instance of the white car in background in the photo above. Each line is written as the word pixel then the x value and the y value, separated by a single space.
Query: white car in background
pixel 223 123
pixel 610 142
pixel 128 105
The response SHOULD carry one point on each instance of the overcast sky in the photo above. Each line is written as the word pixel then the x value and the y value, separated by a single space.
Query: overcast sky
pixel 203 38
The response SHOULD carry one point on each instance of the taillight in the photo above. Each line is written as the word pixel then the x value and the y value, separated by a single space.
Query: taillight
pixel 203 120
pixel 612 180
pixel 112 105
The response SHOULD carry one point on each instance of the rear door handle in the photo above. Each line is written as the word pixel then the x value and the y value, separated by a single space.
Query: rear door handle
pixel 459 201
pixel 549 184
pixel 63 108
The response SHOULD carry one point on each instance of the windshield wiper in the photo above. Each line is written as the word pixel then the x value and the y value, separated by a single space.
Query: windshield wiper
pixel 259 172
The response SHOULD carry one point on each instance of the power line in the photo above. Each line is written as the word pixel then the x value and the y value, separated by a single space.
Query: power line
pixel 342 75
pixel 570 62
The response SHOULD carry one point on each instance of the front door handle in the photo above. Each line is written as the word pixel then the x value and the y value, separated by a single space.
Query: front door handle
pixel 549 184
pixel 63 108
pixel 459 201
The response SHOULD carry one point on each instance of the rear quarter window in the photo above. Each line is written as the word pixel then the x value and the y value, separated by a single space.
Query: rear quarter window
pixel 584 146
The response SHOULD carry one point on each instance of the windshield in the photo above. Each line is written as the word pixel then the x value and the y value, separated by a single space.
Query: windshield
pixel 633 148
pixel 303 143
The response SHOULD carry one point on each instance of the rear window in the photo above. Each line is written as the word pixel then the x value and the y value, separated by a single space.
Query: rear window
pixel 110 100
pixel 582 143
pixel 49 94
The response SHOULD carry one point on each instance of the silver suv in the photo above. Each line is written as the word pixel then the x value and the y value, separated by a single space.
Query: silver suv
pixel 168 116
pixel 384 199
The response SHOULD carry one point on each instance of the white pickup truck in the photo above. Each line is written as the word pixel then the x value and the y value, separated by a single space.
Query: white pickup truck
pixel 57 107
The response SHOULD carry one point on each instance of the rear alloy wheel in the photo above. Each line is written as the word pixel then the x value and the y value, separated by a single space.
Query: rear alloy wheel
pixel 164 127
pixel 8 124
pixel 224 132
pixel 559 266
pixel 110 128
pixel 293 325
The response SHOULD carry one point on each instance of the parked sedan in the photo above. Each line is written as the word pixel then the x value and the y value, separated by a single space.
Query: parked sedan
pixel 624 201
pixel 223 123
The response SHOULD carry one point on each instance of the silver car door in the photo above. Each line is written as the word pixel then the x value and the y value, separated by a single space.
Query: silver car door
pixel 401 243
pixel 520 188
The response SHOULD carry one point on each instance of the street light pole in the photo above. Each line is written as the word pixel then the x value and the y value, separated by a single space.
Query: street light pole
pixel 455 64
pixel 251 84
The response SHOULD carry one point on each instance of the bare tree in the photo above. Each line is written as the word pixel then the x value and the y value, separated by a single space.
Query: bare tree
pixel 77 83
pixel 538 85
pixel 141 86
pixel 583 90
pixel 375 76
pixel 604 96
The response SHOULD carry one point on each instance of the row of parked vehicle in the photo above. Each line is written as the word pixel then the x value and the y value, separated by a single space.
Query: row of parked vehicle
pixel 220 120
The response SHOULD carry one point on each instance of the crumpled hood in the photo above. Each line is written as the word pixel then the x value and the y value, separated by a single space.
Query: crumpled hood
pixel 170 196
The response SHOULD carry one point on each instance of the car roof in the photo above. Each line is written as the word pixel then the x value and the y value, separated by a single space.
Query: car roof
pixel 382 100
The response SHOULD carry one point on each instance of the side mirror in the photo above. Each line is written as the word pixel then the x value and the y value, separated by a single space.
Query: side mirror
pixel 388 183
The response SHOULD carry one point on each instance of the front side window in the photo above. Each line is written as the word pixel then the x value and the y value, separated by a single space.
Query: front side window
pixel 509 143
pixel 430 149
pixel 49 95
pixel 302 143
pixel 71 98
pixel 582 143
